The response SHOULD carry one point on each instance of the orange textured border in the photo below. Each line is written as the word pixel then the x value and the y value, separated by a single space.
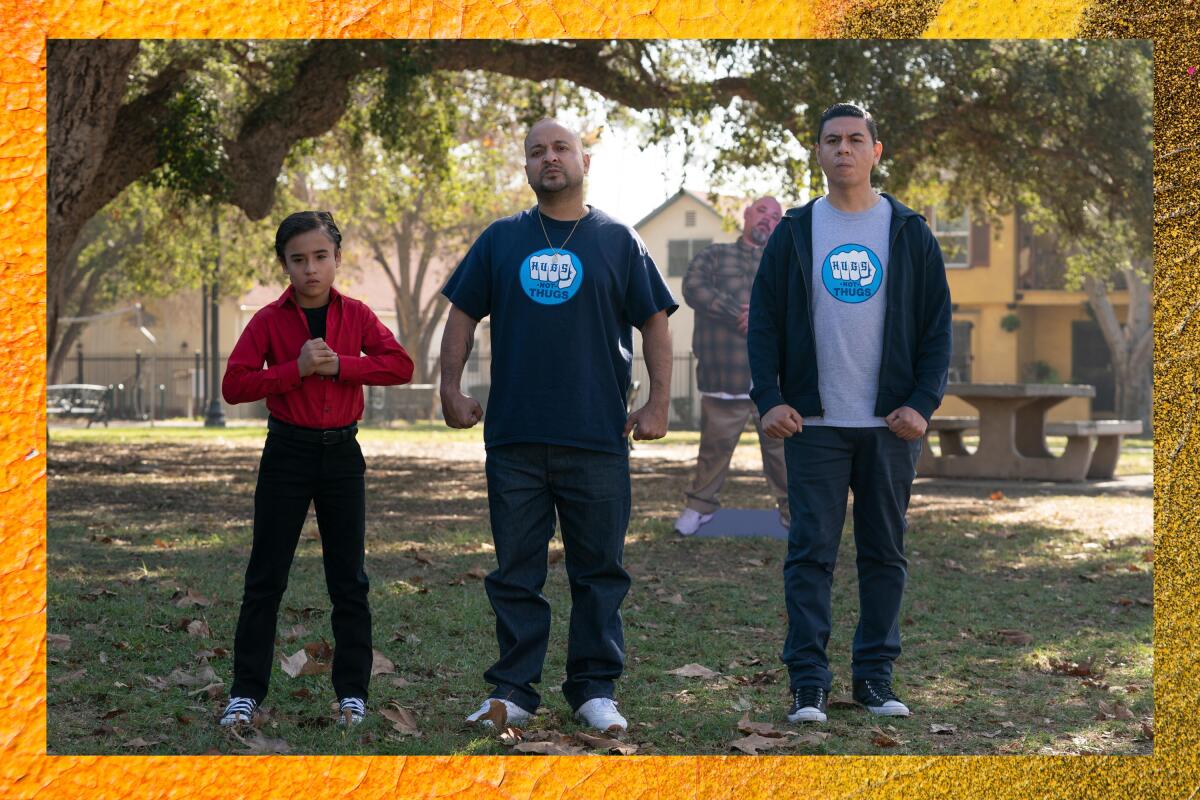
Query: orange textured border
pixel 25 770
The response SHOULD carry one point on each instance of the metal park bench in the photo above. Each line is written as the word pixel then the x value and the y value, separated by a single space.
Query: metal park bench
pixel 86 400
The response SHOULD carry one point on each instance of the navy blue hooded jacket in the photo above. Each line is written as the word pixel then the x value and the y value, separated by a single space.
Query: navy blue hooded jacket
pixel 916 327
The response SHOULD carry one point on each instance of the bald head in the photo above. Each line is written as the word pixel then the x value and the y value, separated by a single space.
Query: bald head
pixel 557 130
pixel 555 163
pixel 761 217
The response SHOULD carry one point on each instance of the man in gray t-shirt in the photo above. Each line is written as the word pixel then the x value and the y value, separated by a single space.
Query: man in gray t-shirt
pixel 848 292
pixel 849 348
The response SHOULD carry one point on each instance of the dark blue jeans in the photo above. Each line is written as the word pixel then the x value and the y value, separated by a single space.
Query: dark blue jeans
pixel 824 464
pixel 589 490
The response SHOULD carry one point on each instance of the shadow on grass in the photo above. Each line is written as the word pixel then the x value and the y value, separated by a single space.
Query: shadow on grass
pixel 1066 574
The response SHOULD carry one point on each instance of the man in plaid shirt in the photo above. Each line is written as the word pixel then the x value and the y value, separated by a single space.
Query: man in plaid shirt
pixel 717 286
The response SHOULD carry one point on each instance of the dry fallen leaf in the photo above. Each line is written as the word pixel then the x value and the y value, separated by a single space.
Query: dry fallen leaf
pixel 548 749
pixel 58 642
pixel 938 727
pixel 694 671
pixel 555 556
pixel 299 663
pixel 381 664
pixel 1148 730
pixel 403 721
pixel 113 713
pixel 1065 667
pixel 606 744
pixel 180 678
pixel 951 564
pixel 881 739
pixel 497 714
pixel 199 627
pixel 1115 711
pixel 321 651
pixel 1013 636
pixel 188 599
pixel 296 614
pixel 997 495
pixel 674 599
pixel 755 744
pixel 478 573
pixel 760 728
pixel 261 745
pixel 212 690
pixel 139 743
pixel 295 632
pixel 754 562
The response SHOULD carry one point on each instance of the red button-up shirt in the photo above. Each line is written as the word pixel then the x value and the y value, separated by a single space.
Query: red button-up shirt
pixel 275 335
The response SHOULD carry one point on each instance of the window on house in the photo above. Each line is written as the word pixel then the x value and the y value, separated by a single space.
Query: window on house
pixel 689 219
pixel 960 352
pixel 680 253
pixel 954 236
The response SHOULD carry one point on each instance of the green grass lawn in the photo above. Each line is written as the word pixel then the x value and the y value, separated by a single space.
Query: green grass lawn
pixel 1004 595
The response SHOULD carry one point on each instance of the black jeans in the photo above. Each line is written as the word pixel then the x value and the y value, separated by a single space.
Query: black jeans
pixel 589 490
pixel 291 475
pixel 823 465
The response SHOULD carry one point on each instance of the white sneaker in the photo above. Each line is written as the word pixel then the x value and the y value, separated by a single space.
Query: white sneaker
pixel 690 521
pixel 516 714
pixel 601 713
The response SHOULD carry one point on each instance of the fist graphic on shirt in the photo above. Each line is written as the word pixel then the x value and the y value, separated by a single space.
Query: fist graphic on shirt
pixel 553 268
pixel 853 265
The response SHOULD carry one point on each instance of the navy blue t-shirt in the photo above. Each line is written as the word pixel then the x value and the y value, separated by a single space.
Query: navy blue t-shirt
pixel 562 325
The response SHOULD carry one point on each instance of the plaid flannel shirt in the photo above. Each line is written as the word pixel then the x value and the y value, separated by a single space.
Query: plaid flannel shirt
pixel 717 285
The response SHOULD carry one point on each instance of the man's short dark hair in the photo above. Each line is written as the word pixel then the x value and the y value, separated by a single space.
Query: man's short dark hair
pixel 848 110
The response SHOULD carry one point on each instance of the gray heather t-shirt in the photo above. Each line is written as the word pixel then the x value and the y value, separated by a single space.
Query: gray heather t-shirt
pixel 850 263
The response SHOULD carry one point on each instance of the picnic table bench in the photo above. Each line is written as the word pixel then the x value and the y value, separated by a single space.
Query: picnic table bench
pixel 1094 442
pixel 88 400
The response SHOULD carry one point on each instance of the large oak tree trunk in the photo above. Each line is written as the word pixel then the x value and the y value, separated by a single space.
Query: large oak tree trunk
pixel 1131 345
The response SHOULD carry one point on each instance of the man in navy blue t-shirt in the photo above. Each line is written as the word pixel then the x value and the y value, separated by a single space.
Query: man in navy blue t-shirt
pixel 564 284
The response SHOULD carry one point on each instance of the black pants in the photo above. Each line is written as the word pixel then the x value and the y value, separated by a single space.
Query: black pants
pixel 291 475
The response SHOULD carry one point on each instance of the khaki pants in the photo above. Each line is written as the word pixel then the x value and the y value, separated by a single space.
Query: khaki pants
pixel 721 425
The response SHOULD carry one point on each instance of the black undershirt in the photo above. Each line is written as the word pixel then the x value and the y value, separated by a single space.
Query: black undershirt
pixel 316 321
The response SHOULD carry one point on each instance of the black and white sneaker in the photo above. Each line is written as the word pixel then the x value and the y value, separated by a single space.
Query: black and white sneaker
pixel 878 697
pixel 808 704
pixel 240 711
pixel 351 711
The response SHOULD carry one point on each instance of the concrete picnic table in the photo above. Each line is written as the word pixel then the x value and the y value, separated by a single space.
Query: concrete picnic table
pixel 1012 435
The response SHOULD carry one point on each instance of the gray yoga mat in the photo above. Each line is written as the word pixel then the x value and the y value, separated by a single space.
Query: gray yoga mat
pixel 744 522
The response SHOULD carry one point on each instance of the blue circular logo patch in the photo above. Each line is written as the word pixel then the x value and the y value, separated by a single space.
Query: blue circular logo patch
pixel 551 277
pixel 852 273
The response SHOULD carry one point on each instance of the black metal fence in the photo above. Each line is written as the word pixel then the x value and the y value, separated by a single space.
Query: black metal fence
pixel 161 387
pixel 143 386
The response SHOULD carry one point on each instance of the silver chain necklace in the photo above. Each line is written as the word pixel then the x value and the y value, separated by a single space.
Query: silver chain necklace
pixel 558 250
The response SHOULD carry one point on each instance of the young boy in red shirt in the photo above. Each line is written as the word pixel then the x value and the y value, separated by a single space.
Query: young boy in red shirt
pixel 320 347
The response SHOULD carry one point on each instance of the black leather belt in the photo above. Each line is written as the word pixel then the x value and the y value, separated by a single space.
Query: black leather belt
pixel 334 436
